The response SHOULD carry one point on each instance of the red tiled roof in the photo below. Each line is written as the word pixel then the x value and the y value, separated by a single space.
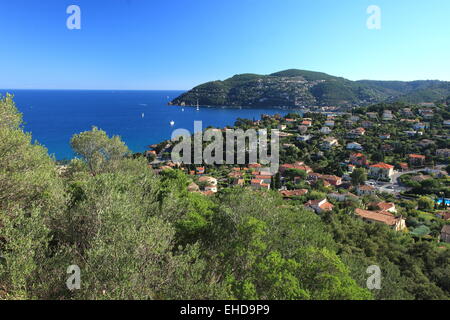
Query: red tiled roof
pixel 324 206
pixel 417 156
pixel 331 177
pixel 384 206
pixel 262 177
pixel 380 216
pixel 357 155
pixel 293 193
pixel 382 165
pixel 256 181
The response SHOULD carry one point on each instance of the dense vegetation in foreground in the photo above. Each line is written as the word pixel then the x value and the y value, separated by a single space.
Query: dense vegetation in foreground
pixel 137 235
pixel 296 88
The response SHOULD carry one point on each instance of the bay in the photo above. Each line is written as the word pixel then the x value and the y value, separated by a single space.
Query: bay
pixel 141 118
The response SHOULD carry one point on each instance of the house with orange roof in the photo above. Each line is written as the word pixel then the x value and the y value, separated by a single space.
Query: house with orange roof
pixel 319 206
pixel 397 223
pixel 416 160
pixel 297 165
pixel 289 194
pixel 384 206
pixel 259 184
pixel 356 133
pixel 358 159
pixel 332 179
pixel 209 182
pixel 200 170
pixel 381 171
pixel 306 123
pixel 365 190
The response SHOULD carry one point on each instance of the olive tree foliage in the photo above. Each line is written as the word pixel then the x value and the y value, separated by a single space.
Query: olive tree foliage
pixel 125 246
pixel 30 197
pixel 262 249
pixel 28 176
pixel 100 152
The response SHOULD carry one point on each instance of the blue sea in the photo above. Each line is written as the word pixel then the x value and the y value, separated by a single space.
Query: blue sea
pixel 141 118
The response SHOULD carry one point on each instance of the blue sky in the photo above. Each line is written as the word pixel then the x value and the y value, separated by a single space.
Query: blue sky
pixel 177 44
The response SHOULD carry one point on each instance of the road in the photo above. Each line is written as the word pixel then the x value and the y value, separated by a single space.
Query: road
pixel 394 187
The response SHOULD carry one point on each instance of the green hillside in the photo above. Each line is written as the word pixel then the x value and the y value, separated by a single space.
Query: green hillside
pixel 302 88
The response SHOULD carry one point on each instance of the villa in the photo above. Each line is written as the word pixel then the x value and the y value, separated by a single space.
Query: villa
pixel 325 130
pixel 319 206
pixel 355 133
pixel 288 194
pixel 416 160
pixel 381 171
pixel 259 184
pixel 354 146
pixel 365 190
pixel 329 143
pixel 385 217
pixel 358 159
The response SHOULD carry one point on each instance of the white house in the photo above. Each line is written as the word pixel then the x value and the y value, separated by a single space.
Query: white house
pixel 381 171
pixel 325 130
pixel 354 146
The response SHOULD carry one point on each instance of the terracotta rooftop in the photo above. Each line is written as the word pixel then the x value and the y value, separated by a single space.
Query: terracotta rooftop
pixel 380 216
pixel 384 206
pixel 382 165
pixel 293 193
pixel 417 156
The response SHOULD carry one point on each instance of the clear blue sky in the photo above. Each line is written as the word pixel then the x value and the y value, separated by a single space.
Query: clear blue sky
pixel 177 44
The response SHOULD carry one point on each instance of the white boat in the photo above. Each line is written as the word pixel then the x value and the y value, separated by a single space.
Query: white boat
pixel 143 115
pixel 172 123
pixel 198 108
pixel 182 109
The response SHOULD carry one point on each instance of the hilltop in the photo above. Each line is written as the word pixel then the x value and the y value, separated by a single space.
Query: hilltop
pixel 302 88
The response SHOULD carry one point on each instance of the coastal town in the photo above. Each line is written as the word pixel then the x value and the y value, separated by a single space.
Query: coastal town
pixel 386 164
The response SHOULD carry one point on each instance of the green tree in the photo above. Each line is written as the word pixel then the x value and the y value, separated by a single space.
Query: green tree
pixel 425 203
pixel 100 152
pixel 359 176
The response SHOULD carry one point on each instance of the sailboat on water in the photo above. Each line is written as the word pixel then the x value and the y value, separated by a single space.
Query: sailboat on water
pixel 198 108
pixel 143 115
